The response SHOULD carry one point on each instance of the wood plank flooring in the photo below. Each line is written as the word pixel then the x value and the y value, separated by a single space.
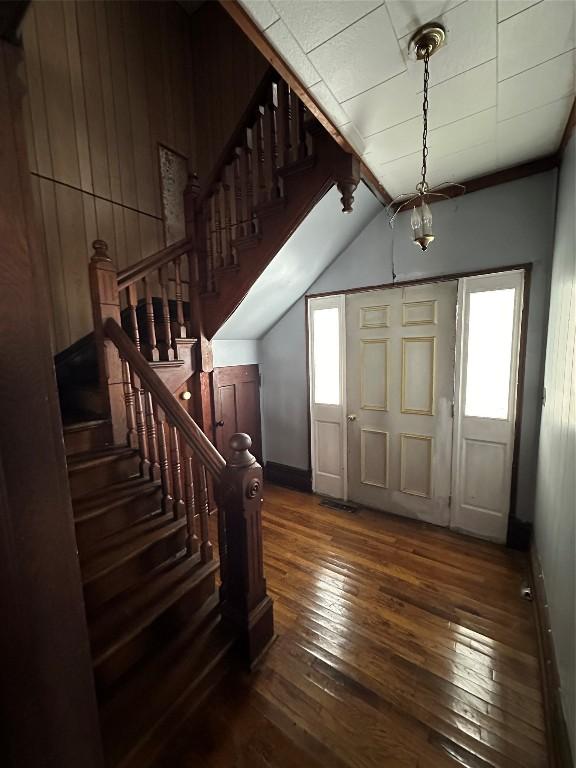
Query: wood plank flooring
pixel 400 645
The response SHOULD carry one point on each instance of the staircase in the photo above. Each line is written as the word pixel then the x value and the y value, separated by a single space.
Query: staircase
pixel 173 594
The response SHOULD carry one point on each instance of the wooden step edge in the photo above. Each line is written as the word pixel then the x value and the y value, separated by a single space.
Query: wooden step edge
pixel 80 461
pixel 185 341
pixel 133 547
pixel 297 166
pixel 197 652
pixel 92 505
pixel 82 426
pixel 162 364
pixel 169 596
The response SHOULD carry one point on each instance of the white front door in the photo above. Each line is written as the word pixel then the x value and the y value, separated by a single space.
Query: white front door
pixel 400 384
pixel 486 382
pixel 327 395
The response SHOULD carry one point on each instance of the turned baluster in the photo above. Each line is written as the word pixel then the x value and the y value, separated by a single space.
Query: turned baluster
pixel 224 206
pixel 153 452
pixel 153 351
pixel 283 123
pixel 302 146
pixel 246 183
pixel 180 324
pixel 294 138
pixel 217 229
pixel 190 501
pixel 260 196
pixel 233 183
pixel 177 486
pixel 141 427
pixel 271 142
pixel 167 498
pixel 164 284
pixel 132 299
pixel 129 401
pixel 206 553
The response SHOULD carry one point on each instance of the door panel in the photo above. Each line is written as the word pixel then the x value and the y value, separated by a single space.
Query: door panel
pixel 486 375
pixel 400 383
pixel 237 406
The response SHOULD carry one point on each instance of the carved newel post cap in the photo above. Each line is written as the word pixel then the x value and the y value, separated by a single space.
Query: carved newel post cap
pixel 100 251
pixel 240 443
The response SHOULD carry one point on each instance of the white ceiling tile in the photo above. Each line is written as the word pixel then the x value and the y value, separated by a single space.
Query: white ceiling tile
pixel 507 8
pixel 540 85
pixel 472 91
pixel 532 134
pixel 543 31
pixel 395 142
pixel 262 11
pixel 384 105
pixel 330 106
pixel 283 41
pixel 360 57
pixel 470 41
pixel 466 164
pixel 408 16
pixel 465 133
pixel 314 22
pixel 406 138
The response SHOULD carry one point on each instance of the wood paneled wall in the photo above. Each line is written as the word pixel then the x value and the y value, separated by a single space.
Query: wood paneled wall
pixel 227 69
pixel 107 82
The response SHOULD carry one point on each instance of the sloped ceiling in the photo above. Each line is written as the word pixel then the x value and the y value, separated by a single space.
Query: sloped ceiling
pixel 321 237
pixel 501 88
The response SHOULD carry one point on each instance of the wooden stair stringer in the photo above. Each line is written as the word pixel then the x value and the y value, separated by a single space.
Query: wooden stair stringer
pixel 302 191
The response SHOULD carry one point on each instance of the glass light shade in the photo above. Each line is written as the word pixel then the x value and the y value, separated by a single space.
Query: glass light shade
pixel 426 219
pixel 416 222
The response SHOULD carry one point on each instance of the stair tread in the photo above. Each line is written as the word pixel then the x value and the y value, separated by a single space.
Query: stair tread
pixel 112 496
pixel 131 612
pixel 79 426
pixel 109 553
pixel 155 689
pixel 80 461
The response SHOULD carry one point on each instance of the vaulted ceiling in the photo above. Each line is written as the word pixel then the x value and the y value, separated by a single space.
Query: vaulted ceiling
pixel 501 88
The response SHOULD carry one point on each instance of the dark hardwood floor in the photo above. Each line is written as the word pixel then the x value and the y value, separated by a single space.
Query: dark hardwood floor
pixel 399 645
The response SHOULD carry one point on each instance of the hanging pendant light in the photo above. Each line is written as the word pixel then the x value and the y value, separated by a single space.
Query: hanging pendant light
pixel 423 44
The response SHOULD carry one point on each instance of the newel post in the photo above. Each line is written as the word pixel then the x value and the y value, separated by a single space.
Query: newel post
pixel 105 304
pixel 245 601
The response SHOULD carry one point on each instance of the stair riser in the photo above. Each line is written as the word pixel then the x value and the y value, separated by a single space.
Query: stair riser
pixel 117 518
pixel 127 574
pixel 154 635
pixel 84 440
pixel 102 475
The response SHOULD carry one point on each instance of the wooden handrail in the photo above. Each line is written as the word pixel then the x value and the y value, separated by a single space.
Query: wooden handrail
pixel 177 416
pixel 135 272
pixel 237 137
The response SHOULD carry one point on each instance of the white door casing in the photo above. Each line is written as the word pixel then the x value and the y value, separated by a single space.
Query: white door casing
pixel 400 379
pixel 327 355
pixel 487 355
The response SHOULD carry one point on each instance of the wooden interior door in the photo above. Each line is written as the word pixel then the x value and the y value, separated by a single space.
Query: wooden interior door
pixel 237 406
pixel 486 376
pixel 400 346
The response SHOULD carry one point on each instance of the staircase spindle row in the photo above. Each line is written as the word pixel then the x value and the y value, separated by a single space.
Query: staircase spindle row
pixel 271 138
pixel 165 457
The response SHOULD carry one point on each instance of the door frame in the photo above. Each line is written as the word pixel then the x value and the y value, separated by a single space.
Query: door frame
pixel 516 528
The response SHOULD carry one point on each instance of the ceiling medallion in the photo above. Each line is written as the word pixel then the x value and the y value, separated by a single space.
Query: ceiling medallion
pixel 423 44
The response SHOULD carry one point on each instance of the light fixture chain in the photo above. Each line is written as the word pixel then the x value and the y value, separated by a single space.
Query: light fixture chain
pixel 425 119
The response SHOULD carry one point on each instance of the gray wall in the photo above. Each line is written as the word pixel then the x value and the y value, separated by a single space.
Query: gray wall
pixel 556 483
pixel 505 225
pixel 235 352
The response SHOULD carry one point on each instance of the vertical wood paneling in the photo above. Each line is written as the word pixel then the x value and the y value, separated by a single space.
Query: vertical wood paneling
pixel 106 83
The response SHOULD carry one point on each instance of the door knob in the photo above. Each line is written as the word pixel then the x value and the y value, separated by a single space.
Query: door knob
pixel 219 424
pixel 351 417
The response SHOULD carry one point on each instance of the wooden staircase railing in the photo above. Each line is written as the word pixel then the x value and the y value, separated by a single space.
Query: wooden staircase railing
pixel 174 450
